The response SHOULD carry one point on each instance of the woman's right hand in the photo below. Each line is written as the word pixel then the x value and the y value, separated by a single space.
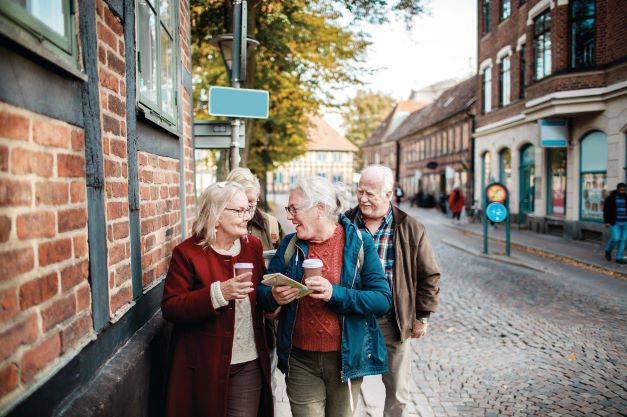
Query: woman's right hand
pixel 284 294
pixel 237 288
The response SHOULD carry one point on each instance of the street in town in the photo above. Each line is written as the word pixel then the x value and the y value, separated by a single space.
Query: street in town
pixel 525 335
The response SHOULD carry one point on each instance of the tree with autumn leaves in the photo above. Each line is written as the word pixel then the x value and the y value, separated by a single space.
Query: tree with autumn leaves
pixel 307 51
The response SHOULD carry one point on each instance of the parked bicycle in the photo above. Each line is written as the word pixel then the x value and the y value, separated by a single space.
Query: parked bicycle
pixel 474 213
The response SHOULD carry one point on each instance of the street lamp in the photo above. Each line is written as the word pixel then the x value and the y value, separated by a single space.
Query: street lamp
pixel 225 43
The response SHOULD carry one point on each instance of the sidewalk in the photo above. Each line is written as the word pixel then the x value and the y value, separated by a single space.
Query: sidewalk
pixel 583 254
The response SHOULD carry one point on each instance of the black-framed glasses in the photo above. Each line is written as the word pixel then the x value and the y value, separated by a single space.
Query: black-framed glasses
pixel 241 212
pixel 293 210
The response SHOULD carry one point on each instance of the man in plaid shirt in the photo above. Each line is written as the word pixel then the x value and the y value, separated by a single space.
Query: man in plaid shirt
pixel 412 271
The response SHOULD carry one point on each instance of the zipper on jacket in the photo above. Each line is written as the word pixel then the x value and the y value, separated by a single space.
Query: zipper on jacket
pixel 296 314
pixel 344 318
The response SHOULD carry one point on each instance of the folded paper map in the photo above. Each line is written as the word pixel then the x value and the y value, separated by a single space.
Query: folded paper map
pixel 279 279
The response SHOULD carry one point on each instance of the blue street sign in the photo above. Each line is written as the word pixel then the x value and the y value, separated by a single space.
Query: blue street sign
pixel 496 212
pixel 238 102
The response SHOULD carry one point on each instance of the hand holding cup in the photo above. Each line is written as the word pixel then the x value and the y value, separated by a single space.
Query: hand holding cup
pixel 238 287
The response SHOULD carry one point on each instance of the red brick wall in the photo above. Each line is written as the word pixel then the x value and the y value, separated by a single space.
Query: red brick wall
pixel 45 301
pixel 611 31
pixel 112 71
pixel 160 214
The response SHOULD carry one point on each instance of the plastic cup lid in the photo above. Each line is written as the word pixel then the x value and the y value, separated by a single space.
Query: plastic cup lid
pixel 244 265
pixel 312 263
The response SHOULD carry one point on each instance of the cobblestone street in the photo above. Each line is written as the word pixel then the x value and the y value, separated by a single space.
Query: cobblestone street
pixel 513 341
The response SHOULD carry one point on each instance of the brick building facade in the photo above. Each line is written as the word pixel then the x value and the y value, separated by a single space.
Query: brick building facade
pixel 379 148
pixel 96 188
pixel 547 68
pixel 435 144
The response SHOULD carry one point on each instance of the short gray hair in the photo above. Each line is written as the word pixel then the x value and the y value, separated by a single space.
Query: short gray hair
pixel 383 172
pixel 319 190
pixel 212 203
pixel 245 178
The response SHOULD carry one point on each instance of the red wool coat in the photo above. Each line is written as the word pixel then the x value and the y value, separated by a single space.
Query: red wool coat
pixel 202 337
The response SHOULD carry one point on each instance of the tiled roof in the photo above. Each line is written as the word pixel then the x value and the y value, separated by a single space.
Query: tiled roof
pixel 396 116
pixel 450 102
pixel 322 137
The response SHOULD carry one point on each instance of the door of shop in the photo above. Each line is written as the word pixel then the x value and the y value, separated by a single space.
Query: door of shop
pixel 527 183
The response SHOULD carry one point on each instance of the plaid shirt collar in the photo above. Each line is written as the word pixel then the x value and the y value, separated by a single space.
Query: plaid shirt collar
pixel 385 224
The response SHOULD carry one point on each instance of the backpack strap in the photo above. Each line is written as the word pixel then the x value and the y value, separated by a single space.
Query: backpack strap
pixel 290 249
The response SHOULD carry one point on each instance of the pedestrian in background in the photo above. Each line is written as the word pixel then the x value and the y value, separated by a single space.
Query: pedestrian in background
pixel 412 272
pixel 456 203
pixel 399 194
pixel 220 365
pixel 263 225
pixel 615 217
pixel 266 227
pixel 327 341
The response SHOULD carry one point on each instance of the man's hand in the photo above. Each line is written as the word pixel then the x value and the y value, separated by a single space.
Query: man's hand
pixel 419 330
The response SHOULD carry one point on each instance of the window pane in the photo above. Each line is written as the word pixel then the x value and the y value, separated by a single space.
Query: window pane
pixel 49 12
pixel 592 195
pixel 583 36
pixel 505 9
pixel 505 175
pixel 167 73
pixel 148 52
pixel 166 14
pixel 594 152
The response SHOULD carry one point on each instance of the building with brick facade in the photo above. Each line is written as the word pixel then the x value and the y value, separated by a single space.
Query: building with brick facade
pixel 378 148
pixel 96 188
pixel 435 145
pixel 552 109
pixel 329 155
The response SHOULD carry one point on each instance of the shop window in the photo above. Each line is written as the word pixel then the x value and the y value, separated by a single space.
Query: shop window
pixel 486 170
pixel 157 59
pixel 593 176
pixel 527 188
pixel 542 45
pixel 582 33
pixel 556 164
pixel 50 23
pixel 505 167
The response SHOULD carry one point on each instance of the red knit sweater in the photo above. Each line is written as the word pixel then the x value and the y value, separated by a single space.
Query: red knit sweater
pixel 317 328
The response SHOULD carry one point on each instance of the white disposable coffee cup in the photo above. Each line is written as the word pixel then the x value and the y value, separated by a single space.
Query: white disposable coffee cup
pixel 312 267
pixel 243 267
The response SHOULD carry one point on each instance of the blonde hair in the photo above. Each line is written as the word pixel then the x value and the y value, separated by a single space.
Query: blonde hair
pixel 212 203
pixel 245 178
pixel 319 190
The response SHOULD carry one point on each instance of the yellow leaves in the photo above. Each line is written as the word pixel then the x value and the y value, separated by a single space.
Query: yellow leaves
pixel 572 357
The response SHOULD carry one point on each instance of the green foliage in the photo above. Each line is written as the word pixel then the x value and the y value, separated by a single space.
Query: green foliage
pixel 362 114
pixel 305 54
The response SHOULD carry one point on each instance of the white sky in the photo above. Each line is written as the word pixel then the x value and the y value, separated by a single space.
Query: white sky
pixel 441 45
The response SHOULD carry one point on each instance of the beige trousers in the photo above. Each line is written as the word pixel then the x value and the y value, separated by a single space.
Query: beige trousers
pixel 397 380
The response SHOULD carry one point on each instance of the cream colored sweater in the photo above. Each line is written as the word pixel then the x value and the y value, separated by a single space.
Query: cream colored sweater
pixel 244 348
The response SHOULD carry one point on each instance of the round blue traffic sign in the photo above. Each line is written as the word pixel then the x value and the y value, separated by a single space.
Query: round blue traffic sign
pixel 496 212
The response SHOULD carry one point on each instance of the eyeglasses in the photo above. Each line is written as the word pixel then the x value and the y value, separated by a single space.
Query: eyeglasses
pixel 241 212
pixel 293 210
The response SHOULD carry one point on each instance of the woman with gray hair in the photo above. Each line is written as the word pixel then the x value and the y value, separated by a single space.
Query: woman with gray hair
pixel 220 365
pixel 328 340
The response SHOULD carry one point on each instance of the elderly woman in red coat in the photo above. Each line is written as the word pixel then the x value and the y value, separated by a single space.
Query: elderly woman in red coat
pixel 220 366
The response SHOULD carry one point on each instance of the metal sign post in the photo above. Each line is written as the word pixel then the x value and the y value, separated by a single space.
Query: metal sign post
pixel 496 196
